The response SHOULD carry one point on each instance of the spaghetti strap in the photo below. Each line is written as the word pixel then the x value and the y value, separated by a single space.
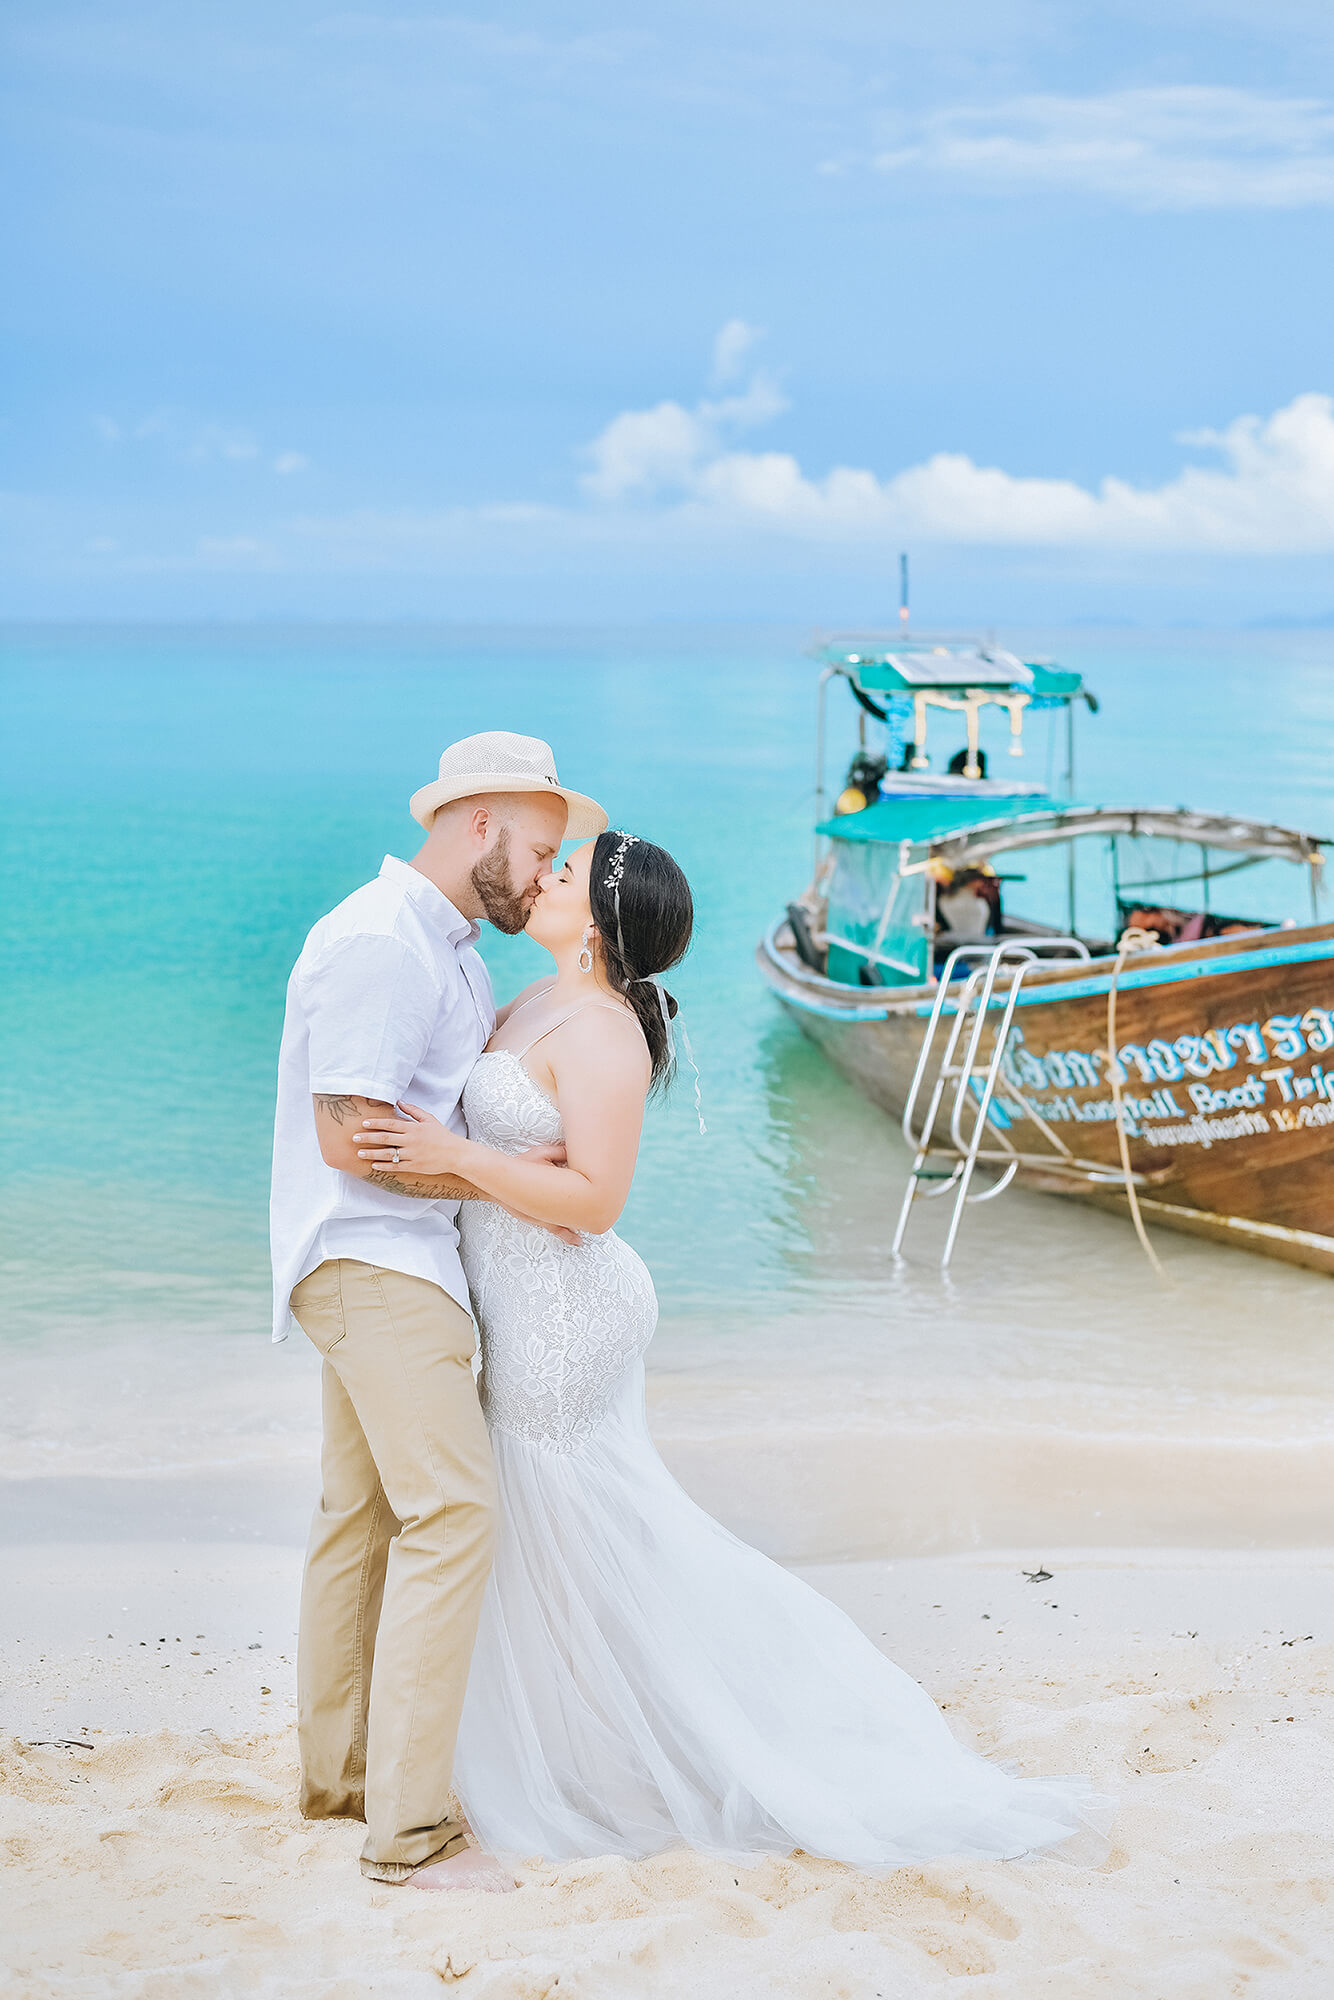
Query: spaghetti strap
pixel 545 987
pixel 569 1014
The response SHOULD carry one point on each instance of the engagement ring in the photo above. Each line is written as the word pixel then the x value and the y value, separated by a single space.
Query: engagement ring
pixel 396 1156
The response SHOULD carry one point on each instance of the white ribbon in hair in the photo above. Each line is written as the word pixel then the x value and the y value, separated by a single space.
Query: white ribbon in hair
pixel 670 1026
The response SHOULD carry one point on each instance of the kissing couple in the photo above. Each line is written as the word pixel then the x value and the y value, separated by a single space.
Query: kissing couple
pixel 518 1635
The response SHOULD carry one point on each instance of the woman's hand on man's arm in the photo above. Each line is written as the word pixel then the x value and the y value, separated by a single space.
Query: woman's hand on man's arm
pixel 601 1079
pixel 337 1122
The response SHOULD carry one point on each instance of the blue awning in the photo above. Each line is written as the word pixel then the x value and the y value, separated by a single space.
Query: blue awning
pixel 898 818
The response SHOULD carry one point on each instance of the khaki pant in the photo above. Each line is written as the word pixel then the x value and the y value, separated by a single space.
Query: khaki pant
pixel 389 1612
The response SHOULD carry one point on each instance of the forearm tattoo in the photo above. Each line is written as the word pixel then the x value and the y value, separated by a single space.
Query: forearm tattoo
pixel 340 1109
pixel 428 1187
pixel 421 1187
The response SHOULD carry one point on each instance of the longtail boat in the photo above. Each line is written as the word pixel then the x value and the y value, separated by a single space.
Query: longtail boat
pixel 1130 1005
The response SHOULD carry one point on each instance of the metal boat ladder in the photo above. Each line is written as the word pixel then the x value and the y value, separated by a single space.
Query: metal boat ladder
pixel 1004 967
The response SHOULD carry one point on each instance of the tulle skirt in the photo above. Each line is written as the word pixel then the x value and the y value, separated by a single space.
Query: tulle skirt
pixel 644 1680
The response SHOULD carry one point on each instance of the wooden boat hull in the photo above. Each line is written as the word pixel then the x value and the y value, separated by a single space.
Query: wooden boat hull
pixel 1225 1053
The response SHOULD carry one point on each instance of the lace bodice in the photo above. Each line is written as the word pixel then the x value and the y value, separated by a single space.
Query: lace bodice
pixel 505 1108
pixel 560 1323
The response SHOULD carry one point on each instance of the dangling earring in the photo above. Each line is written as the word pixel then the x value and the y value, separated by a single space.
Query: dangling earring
pixel 586 956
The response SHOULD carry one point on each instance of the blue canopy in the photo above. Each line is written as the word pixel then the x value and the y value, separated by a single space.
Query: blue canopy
pixel 917 818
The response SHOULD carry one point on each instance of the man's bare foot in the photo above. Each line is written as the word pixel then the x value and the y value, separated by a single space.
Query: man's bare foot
pixel 471 1869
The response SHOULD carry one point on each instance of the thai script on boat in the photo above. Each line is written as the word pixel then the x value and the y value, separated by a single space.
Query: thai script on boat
pixel 1283 1038
pixel 1207 1131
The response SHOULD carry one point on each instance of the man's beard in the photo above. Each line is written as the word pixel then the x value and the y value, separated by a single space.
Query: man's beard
pixel 504 906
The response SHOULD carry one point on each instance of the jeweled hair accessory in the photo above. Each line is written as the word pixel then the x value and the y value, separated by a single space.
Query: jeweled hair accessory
pixel 613 882
pixel 618 858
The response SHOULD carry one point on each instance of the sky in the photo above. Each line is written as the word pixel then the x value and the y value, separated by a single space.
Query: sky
pixel 588 312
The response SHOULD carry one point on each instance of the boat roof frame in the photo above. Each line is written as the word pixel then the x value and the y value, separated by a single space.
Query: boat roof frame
pixel 1260 838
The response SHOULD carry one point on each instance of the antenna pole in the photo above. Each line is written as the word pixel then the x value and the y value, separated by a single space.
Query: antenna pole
pixel 903 594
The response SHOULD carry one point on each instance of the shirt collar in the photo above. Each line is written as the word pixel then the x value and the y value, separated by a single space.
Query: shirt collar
pixel 433 903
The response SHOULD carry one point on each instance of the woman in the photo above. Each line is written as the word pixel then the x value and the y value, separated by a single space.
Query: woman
pixel 642 1678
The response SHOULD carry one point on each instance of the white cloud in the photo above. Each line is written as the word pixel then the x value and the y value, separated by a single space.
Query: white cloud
pixel 1179 147
pixel 290 461
pixel 1273 492
pixel 646 452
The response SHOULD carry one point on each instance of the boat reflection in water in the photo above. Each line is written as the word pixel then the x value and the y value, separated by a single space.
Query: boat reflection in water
pixel 1125 1004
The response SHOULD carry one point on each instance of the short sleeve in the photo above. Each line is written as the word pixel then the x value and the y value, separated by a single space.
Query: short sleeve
pixel 371 1006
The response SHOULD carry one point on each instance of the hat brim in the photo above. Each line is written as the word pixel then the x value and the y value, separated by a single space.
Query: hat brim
pixel 585 815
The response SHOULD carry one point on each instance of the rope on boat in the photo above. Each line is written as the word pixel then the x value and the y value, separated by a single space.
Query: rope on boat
pixel 1129 941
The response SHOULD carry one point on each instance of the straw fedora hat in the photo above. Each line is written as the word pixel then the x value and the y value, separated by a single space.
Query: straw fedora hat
pixel 498 761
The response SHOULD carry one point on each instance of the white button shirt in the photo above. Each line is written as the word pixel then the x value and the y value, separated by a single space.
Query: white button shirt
pixel 389 1000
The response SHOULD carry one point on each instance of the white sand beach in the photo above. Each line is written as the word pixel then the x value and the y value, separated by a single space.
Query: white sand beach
pixel 153 1850
pixel 155 1510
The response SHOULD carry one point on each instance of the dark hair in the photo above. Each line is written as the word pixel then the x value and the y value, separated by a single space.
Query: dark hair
pixel 657 916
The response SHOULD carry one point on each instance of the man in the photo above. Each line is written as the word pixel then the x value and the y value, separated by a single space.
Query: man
pixel 389 1000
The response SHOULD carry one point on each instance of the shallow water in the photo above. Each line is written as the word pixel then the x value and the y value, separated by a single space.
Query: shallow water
pixel 181 806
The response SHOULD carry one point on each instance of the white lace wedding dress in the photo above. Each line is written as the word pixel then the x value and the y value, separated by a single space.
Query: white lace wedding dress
pixel 642 1679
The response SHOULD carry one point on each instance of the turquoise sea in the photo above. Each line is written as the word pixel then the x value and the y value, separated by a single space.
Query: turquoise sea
pixel 180 805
